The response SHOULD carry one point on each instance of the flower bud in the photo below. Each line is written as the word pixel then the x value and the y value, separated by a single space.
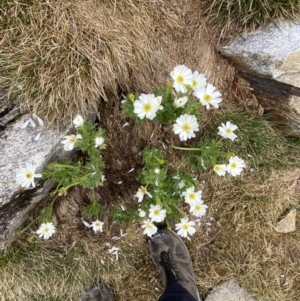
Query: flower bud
pixel 131 97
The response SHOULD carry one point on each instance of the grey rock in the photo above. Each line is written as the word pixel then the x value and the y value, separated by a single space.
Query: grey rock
pixel 229 291
pixel 97 292
pixel 273 51
pixel 35 144
pixel 270 60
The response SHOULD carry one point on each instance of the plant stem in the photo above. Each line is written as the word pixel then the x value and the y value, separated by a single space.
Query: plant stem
pixel 186 148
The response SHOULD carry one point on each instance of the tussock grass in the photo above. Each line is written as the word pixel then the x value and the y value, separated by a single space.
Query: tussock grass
pixel 59 57
pixel 243 14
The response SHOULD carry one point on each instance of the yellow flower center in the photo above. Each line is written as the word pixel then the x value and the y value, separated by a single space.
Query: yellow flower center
pixel 185 227
pixel 147 107
pixel 73 139
pixel 143 190
pixel 197 208
pixel 207 98
pixel 46 230
pixel 156 212
pixel 180 79
pixel 195 83
pixel 233 165
pixel 28 175
pixel 228 131
pixel 149 226
pixel 186 127
pixel 192 196
pixel 217 168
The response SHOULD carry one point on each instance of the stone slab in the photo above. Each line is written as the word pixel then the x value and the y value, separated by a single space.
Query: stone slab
pixel 273 51
pixel 269 59
pixel 36 143
pixel 229 291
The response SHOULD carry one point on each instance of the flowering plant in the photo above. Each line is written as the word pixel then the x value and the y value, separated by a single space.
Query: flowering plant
pixel 86 172
pixel 162 193
pixel 179 104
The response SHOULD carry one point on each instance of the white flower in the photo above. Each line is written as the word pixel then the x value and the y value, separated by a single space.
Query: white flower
pixel 226 130
pixel 220 169
pixel 70 141
pixel 98 141
pixel 185 227
pixel 147 105
pixel 209 96
pixel 235 166
pixel 181 184
pixel 46 230
pixel 150 228
pixel 180 102
pixel 185 126
pixel 78 121
pixel 86 223
pixel 141 192
pixel 157 170
pixel 97 226
pixel 199 81
pixel 142 213
pixel 157 213
pixel 182 76
pixel 25 175
pixel 191 196
pixel 158 100
pixel 114 251
pixel 198 209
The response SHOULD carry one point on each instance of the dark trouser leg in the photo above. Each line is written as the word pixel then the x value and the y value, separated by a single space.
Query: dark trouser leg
pixel 175 292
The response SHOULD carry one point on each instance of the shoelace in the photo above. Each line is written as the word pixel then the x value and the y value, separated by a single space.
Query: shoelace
pixel 167 265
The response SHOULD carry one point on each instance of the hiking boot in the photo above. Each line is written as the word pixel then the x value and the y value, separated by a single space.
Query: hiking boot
pixel 97 292
pixel 173 260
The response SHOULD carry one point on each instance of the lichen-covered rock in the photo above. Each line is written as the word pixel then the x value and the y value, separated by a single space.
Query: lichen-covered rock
pixel 270 60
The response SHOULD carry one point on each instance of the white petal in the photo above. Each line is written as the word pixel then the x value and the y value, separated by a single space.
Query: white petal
pixel 37 137
pixel 24 125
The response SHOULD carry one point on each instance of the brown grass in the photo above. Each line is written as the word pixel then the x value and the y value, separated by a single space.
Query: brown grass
pixel 235 240
pixel 59 57
pixel 239 242
pixel 132 46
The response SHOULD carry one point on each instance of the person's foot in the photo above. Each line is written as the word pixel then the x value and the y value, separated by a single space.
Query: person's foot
pixel 97 292
pixel 173 260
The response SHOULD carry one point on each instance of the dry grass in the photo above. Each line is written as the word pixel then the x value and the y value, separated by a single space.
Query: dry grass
pixel 59 57
pixel 236 16
pixel 68 54
pixel 239 243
